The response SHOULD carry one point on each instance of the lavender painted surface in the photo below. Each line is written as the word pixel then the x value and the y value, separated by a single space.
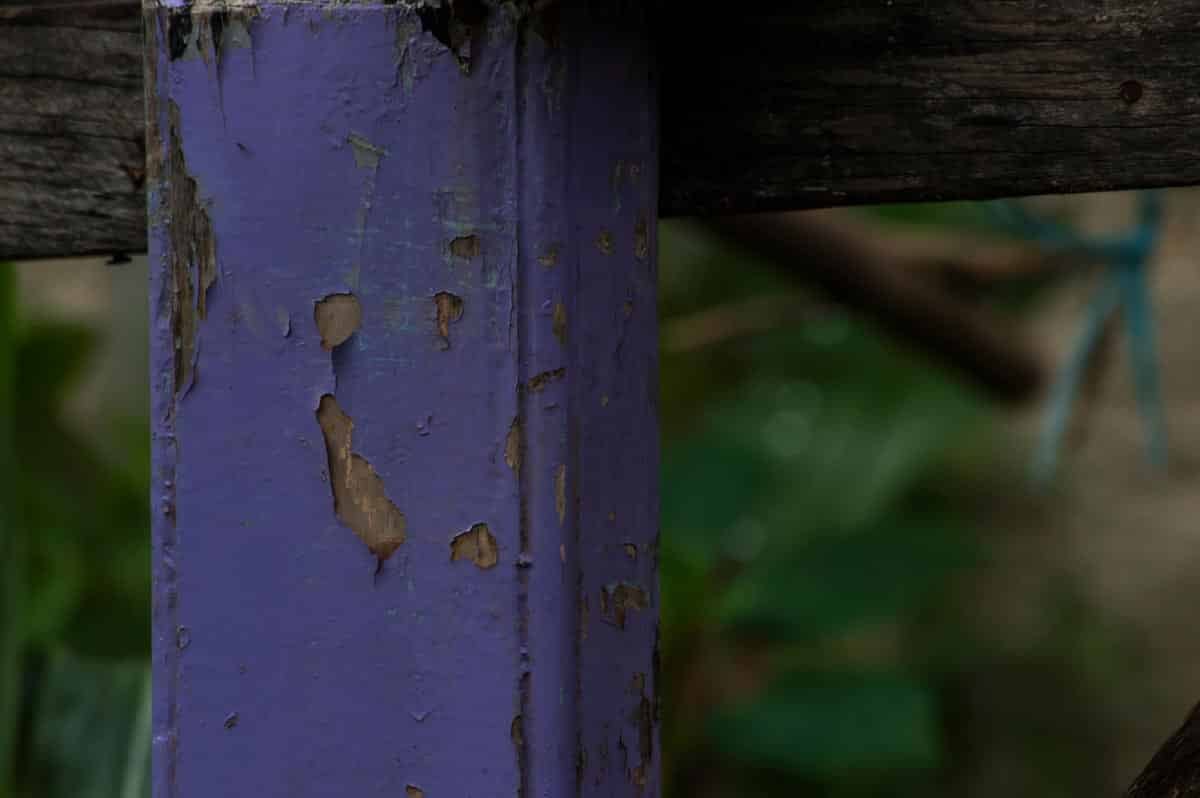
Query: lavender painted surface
pixel 497 230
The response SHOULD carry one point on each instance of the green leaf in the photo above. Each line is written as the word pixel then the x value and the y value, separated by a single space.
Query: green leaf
pixel 88 562
pixel 50 359
pixel 91 736
pixel 837 584
pixel 842 452
pixel 708 484
pixel 829 725
pixel 12 577
pixel 962 216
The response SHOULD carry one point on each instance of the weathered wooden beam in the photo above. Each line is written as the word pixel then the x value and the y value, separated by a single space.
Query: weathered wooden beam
pixel 72 153
pixel 827 102
pixel 405 446
pixel 767 106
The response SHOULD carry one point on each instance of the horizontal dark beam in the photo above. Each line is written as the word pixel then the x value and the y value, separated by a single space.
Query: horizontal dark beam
pixel 818 104
pixel 829 102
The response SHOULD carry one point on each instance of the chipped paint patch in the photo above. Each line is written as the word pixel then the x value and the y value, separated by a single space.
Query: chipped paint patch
pixel 618 600
pixel 512 446
pixel 549 258
pixel 359 498
pixel 338 316
pixel 192 256
pixel 449 308
pixel 465 247
pixel 539 381
pixel 206 31
pixel 366 154
pixel 641 239
pixel 560 322
pixel 367 157
pixel 478 545
pixel 517 731
pixel 643 717
pixel 408 63
pixel 412 791
pixel 631 551
pixel 560 493
pixel 455 25
pixel 524 693
pixel 617 175
pixel 604 242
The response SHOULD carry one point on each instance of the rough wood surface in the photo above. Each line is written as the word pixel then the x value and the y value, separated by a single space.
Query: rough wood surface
pixel 1174 772
pixel 72 157
pixel 829 102
pixel 773 107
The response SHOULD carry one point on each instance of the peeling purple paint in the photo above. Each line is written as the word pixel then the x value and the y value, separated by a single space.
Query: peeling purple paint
pixel 324 173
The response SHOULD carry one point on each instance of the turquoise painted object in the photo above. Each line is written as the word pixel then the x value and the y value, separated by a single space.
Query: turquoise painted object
pixel 1125 257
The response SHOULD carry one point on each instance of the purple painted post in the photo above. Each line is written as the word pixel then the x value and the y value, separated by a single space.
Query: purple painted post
pixel 405 438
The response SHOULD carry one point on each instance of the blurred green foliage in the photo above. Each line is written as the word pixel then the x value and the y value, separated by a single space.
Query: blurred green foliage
pixel 819 556
pixel 75 598
pixel 821 546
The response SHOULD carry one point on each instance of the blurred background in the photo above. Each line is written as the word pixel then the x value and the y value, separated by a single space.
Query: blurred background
pixel 864 593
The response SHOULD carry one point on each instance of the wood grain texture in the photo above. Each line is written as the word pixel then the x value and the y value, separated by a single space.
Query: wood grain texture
pixel 1174 772
pixel 805 105
pixel 72 155
pixel 830 102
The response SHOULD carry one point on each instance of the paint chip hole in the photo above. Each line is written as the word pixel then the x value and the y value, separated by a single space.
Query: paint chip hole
pixel 560 493
pixel 359 498
pixel 512 446
pixel 338 316
pixel 617 601
pixel 560 322
pixel 465 247
pixel 539 381
pixel 449 310
pixel 549 258
pixel 478 545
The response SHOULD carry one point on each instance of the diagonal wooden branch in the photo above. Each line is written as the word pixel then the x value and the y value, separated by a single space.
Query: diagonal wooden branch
pixel 1174 772
pixel 839 260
